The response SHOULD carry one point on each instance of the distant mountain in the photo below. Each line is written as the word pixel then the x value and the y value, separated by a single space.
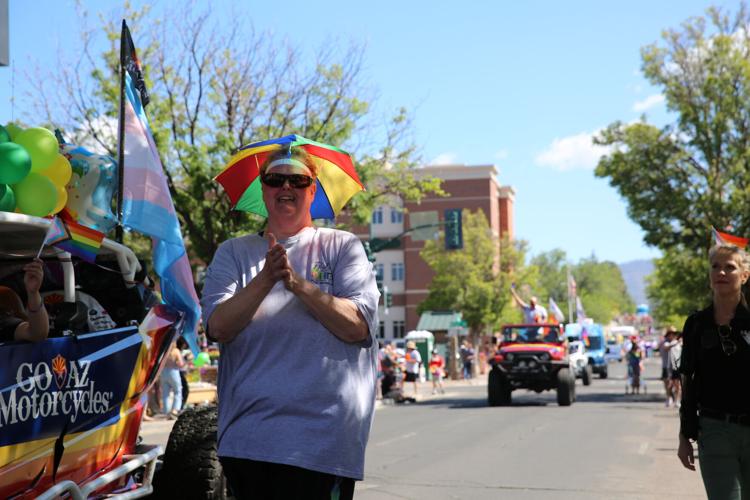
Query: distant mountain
pixel 634 274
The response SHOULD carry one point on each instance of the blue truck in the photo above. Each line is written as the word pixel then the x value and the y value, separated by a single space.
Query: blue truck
pixel 592 336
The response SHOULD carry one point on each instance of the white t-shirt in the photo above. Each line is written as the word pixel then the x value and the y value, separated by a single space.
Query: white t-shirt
pixel 290 391
pixel 536 314
pixel 412 360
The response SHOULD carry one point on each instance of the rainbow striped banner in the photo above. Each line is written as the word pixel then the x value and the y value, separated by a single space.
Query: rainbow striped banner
pixel 84 242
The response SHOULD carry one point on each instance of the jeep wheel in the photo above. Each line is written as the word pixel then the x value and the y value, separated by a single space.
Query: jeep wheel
pixel 588 374
pixel 603 373
pixel 498 389
pixel 565 387
pixel 191 467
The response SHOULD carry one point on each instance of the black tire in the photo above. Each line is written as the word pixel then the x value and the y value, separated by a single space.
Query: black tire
pixel 565 387
pixel 191 468
pixel 498 389
pixel 588 374
pixel 604 373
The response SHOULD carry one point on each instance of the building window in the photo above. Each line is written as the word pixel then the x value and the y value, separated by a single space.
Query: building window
pixel 397 216
pixel 379 272
pixel 397 271
pixel 398 329
pixel 381 330
pixel 377 215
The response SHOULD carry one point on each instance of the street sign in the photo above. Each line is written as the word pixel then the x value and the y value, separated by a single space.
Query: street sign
pixel 454 233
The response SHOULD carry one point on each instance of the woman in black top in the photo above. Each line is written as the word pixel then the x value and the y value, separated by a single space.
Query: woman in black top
pixel 715 368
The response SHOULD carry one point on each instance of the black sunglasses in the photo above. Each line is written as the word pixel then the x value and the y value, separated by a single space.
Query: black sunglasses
pixel 727 344
pixel 298 181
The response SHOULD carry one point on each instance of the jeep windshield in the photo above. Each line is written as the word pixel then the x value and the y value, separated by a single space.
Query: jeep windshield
pixel 532 334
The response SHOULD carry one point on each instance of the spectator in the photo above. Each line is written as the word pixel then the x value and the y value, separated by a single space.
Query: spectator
pixel 187 356
pixel 412 363
pixel 295 310
pixel 170 383
pixel 437 372
pixel 467 359
pixel 715 368
pixel 666 373
pixel 29 324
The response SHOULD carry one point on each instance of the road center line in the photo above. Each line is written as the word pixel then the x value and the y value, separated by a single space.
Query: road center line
pixel 393 440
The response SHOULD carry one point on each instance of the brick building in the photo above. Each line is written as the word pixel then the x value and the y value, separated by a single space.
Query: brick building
pixel 403 271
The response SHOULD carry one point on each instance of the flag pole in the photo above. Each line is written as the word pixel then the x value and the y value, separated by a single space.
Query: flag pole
pixel 570 299
pixel 121 139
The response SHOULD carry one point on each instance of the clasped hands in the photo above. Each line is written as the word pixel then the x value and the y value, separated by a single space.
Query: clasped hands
pixel 277 266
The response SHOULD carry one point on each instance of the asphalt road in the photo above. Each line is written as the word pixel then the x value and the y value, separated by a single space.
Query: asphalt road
pixel 605 446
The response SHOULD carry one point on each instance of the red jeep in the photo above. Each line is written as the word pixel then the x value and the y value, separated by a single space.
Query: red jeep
pixel 533 357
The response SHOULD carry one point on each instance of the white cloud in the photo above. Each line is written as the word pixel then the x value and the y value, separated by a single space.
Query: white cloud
pixel 445 159
pixel 501 154
pixel 648 103
pixel 572 152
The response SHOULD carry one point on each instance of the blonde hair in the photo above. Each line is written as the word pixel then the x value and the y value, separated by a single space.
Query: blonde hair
pixel 730 250
pixel 741 256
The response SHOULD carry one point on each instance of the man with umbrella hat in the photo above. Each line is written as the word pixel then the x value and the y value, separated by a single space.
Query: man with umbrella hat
pixel 295 310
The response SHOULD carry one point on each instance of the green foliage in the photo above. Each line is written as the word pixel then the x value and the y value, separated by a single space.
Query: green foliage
pixel 602 290
pixel 215 85
pixel 473 280
pixel 599 285
pixel 675 272
pixel 681 179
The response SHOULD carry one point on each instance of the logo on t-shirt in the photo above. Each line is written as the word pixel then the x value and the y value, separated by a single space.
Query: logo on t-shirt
pixel 321 274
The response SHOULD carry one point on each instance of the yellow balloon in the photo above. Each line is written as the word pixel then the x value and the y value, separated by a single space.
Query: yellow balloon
pixel 62 199
pixel 59 172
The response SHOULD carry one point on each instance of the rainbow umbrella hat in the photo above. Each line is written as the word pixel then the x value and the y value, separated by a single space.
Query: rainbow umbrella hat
pixel 337 180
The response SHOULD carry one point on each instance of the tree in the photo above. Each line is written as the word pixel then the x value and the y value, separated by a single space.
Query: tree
pixel 474 280
pixel 216 85
pixel 683 178
pixel 553 277
pixel 602 289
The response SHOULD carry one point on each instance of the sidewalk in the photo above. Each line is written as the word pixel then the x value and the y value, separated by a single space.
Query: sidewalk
pixel 425 389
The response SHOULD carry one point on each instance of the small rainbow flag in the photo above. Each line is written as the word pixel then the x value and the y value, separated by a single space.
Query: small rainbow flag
pixel 729 239
pixel 83 242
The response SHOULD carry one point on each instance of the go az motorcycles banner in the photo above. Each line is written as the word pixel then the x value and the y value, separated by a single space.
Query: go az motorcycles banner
pixel 74 382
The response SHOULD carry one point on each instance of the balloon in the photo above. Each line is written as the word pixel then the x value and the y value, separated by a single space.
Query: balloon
pixel 91 188
pixel 202 359
pixel 42 146
pixel 35 195
pixel 13 130
pixel 4 135
pixel 15 163
pixel 7 199
pixel 59 172
pixel 62 198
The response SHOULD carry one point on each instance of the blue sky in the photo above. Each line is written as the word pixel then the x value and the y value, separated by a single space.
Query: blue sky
pixel 522 85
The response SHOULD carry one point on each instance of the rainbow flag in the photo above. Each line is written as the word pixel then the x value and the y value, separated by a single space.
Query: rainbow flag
pixel 728 239
pixel 83 242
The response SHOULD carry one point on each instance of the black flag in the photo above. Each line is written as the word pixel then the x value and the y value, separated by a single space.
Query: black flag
pixel 129 61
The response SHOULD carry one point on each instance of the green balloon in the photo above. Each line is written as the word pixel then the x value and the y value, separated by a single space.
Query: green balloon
pixel 7 199
pixel 13 130
pixel 202 359
pixel 4 135
pixel 35 195
pixel 42 147
pixel 15 163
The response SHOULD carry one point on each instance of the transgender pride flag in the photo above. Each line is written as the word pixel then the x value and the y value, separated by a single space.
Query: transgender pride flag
pixel 147 204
